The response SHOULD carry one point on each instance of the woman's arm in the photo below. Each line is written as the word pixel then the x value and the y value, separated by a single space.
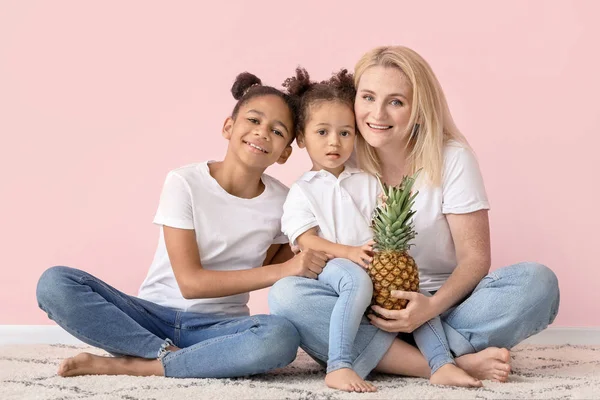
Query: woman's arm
pixel 196 282
pixel 471 236
pixel 359 254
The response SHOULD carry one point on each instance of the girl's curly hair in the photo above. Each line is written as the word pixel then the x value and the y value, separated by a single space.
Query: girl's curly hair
pixel 340 87
pixel 248 86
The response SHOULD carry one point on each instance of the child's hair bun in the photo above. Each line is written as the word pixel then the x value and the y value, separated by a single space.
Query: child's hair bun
pixel 299 84
pixel 243 82
pixel 343 80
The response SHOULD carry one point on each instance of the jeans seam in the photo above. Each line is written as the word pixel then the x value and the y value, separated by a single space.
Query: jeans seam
pixel 439 338
pixel 214 325
pixel 316 353
pixel 438 365
pixel 338 365
pixel 345 311
pixel 174 355
pixel 104 346
pixel 493 276
pixel 140 309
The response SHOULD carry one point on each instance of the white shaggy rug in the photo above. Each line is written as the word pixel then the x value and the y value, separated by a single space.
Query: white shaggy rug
pixel 540 372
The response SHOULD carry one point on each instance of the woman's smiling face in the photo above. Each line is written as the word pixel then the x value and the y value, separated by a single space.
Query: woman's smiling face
pixel 383 106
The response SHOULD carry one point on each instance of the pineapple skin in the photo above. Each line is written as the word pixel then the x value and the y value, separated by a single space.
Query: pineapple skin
pixel 392 270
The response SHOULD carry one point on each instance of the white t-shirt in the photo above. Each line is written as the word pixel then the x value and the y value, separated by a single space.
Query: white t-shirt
pixel 319 202
pixel 341 207
pixel 462 192
pixel 232 234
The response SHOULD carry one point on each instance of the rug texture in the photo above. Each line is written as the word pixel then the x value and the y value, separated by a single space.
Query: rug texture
pixel 540 372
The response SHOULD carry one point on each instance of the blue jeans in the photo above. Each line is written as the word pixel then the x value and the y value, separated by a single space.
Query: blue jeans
pixel 212 346
pixel 354 289
pixel 507 306
pixel 433 343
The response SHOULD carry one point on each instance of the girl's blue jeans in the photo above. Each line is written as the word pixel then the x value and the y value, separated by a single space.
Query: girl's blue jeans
pixel 507 306
pixel 212 346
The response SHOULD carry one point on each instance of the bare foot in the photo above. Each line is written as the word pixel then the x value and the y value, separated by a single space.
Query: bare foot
pixel 492 363
pixel 91 364
pixel 348 380
pixel 451 375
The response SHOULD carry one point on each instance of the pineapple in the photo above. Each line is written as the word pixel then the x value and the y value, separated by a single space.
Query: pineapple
pixel 393 228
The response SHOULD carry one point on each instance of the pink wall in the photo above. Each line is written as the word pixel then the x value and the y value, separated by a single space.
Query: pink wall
pixel 98 100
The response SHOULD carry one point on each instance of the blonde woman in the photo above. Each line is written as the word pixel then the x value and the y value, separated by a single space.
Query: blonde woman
pixel 406 125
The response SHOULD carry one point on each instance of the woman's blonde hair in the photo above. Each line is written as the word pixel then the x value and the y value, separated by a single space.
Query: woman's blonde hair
pixel 431 124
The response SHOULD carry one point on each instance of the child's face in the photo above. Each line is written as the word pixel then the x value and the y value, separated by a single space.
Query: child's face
pixel 261 132
pixel 329 136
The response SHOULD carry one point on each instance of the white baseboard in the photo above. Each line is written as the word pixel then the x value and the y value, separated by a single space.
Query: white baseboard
pixel 566 335
pixel 35 334
pixel 47 334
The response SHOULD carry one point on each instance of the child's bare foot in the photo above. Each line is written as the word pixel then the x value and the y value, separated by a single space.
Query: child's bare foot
pixel 451 375
pixel 91 364
pixel 348 380
pixel 492 363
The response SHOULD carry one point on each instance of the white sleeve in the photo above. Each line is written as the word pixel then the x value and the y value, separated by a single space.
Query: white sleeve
pixel 175 206
pixel 281 238
pixel 297 215
pixel 463 188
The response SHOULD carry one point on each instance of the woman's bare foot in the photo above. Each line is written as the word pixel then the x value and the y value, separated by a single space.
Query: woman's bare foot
pixel 492 363
pixel 451 375
pixel 91 364
pixel 348 380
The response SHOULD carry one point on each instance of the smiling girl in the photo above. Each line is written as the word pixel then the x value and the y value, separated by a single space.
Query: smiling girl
pixel 220 238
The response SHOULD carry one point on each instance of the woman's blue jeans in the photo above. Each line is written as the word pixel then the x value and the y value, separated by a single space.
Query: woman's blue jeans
pixel 507 306
pixel 211 346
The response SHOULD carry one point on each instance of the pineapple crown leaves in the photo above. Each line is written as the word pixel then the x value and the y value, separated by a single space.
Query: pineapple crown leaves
pixel 392 222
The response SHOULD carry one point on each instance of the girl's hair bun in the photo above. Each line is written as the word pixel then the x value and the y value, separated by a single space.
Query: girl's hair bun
pixel 342 80
pixel 299 84
pixel 243 82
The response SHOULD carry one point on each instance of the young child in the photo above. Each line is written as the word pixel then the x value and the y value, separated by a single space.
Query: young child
pixel 329 209
pixel 219 221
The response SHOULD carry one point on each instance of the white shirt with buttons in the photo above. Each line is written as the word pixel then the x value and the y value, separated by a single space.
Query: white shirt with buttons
pixel 340 207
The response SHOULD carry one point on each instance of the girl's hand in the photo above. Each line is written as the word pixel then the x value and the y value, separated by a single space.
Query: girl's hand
pixel 419 310
pixel 308 263
pixel 362 255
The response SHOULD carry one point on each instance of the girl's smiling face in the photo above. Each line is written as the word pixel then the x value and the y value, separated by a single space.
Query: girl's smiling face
pixel 262 131
pixel 383 106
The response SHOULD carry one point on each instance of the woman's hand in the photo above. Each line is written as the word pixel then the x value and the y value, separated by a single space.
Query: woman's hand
pixel 419 310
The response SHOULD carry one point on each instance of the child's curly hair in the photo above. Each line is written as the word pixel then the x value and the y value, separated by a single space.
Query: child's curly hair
pixel 340 87
pixel 247 86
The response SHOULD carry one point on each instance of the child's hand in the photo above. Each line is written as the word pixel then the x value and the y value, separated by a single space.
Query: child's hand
pixel 308 263
pixel 362 255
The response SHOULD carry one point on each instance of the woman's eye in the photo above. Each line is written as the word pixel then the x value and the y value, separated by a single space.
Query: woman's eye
pixel 396 102
pixel 368 97
pixel 322 132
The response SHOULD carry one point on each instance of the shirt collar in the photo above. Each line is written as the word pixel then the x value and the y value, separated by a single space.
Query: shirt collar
pixel 348 171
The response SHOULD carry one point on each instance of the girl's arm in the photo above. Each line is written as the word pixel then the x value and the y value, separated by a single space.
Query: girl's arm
pixel 196 282
pixel 362 255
